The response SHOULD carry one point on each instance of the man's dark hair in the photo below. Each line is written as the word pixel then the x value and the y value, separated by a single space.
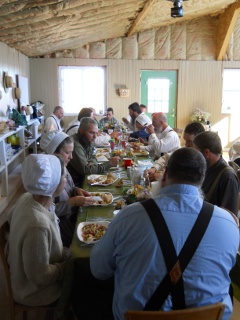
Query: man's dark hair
pixel 187 166
pixel 84 112
pixel 135 107
pixel 208 140
pixel 194 128
pixel 110 109
pixel 85 122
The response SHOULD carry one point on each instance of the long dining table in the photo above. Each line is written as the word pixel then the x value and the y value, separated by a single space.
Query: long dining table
pixel 88 297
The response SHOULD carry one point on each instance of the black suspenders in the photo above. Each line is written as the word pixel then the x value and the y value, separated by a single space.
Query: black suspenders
pixel 173 281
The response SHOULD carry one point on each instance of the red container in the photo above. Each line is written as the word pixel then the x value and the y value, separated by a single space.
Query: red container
pixel 124 143
pixel 127 162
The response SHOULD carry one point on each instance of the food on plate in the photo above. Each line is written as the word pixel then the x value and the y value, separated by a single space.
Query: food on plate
pixel 102 150
pixel 120 183
pixel 103 179
pixel 138 144
pixel 141 152
pixel 104 198
pixel 93 232
pixel 117 153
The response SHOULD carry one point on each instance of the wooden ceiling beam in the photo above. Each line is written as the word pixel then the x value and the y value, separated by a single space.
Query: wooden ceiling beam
pixel 140 17
pixel 227 23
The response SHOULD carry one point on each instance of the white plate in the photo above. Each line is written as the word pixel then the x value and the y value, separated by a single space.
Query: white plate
pixel 100 194
pixel 101 179
pixel 115 212
pixel 82 224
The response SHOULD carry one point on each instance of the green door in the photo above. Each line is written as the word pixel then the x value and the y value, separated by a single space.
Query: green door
pixel 159 93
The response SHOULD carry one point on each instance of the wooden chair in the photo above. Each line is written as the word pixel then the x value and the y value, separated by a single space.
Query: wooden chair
pixel 14 307
pixel 179 132
pixel 210 312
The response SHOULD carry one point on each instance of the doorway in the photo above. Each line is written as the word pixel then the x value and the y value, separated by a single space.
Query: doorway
pixel 159 93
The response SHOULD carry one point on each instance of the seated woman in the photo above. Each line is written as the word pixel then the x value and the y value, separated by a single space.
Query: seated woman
pixel 71 197
pixel 141 122
pixel 35 251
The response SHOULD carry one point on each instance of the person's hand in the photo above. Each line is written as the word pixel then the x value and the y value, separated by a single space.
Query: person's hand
pixel 142 141
pixel 154 176
pixel 82 192
pixel 114 161
pixel 114 134
pixel 150 129
pixel 135 147
pixel 99 133
pixel 125 120
pixel 80 201
pixel 150 171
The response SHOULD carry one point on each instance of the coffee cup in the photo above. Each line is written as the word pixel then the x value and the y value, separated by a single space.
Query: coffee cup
pixel 127 162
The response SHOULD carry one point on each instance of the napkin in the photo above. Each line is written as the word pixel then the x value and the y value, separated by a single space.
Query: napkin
pixel 145 163
pixel 102 159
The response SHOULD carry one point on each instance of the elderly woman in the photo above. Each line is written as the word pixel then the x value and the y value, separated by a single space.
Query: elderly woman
pixel 35 251
pixel 71 198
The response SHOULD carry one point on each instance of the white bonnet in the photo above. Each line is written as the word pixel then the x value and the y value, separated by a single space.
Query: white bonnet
pixel 144 120
pixel 51 140
pixel 41 174
pixel 234 151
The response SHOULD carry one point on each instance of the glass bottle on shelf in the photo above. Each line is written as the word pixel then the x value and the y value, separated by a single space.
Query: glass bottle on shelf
pixel 9 112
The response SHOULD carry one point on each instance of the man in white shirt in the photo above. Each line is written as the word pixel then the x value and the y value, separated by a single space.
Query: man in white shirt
pixel 163 138
pixel 52 123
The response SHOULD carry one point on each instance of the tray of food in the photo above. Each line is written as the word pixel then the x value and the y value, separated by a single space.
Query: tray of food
pixel 91 232
pixel 101 198
pixel 102 180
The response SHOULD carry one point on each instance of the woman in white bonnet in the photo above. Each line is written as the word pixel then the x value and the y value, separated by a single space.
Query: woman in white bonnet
pixel 35 252
pixel 71 198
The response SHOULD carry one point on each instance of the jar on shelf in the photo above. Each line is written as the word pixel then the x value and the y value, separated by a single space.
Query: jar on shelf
pixel 9 112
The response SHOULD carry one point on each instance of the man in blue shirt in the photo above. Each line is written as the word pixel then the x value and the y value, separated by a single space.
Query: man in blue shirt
pixel 130 250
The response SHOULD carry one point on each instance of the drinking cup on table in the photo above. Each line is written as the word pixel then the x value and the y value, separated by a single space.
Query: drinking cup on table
pixel 127 162
pixel 124 144
pixel 110 131
pixel 112 145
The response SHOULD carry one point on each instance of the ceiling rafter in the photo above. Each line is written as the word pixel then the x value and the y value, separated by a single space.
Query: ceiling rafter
pixel 140 17
pixel 227 23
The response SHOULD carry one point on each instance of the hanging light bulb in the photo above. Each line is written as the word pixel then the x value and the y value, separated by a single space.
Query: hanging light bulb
pixel 177 10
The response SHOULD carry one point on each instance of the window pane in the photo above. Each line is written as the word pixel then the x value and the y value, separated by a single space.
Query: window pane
pixel 231 90
pixel 158 95
pixel 82 87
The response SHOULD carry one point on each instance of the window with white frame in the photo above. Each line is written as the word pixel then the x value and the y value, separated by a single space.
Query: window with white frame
pixel 82 87
pixel 231 90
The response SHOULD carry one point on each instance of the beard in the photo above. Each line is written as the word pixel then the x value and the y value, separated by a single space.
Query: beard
pixel 84 142
pixel 158 129
pixel 133 118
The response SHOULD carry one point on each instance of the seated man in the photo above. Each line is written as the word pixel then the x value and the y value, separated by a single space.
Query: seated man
pixel 220 185
pixel 109 119
pixel 83 159
pixel 162 138
pixel 134 112
pixel 141 122
pixel 52 123
pixel 234 152
pixel 130 250
pixel 191 130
